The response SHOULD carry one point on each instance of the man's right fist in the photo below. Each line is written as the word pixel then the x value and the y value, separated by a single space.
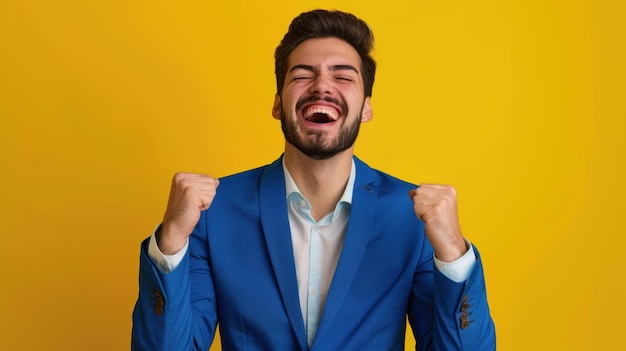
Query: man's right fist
pixel 190 194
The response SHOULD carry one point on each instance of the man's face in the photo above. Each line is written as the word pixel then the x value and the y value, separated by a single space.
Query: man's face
pixel 322 103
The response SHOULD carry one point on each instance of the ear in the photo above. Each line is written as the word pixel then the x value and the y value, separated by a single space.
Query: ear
pixel 367 113
pixel 276 109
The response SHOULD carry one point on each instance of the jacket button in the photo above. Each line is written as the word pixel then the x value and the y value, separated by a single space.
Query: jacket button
pixel 465 324
pixel 464 319
pixel 159 303
pixel 158 310
pixel 465 307
pixel 465 304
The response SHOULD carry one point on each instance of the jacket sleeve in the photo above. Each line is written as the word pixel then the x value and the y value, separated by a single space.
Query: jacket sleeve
pixel 446 315
pixel 171 313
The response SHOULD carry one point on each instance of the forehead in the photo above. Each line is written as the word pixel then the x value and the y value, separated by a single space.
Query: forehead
pixel 320 52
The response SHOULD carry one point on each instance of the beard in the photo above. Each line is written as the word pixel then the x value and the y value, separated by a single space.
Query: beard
pixel 316 144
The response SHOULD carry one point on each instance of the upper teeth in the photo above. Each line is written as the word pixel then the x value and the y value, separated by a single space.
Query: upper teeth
pixel 330 112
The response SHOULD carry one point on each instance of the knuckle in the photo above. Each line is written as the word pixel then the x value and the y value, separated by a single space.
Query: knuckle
pixel 179 176
pixel 451 191
pixel 448 191
pixel 185 183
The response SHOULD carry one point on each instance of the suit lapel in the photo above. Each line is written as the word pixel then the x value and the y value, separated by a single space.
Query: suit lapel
pixel 275 222
pixel 357 236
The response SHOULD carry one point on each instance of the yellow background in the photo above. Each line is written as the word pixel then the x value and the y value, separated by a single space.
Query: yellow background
pixel 519 104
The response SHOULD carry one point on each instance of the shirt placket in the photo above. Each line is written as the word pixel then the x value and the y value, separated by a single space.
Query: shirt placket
pixel 313 292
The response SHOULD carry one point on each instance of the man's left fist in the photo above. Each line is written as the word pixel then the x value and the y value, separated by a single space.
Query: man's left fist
pixel 436 205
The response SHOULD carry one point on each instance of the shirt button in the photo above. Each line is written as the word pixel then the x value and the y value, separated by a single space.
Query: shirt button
pixel 313 291
pixel 302 203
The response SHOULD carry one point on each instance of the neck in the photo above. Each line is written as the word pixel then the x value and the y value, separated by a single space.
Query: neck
pixel 322 182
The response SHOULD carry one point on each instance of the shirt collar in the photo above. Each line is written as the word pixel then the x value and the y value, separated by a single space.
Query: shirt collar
pixel 291 187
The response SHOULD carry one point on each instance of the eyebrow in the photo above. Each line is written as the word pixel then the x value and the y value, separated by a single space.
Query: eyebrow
pixel 332 68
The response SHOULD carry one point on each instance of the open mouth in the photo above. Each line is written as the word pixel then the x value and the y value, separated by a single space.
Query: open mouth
pixel 320 114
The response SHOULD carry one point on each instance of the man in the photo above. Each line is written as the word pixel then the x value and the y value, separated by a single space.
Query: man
pixel 315 251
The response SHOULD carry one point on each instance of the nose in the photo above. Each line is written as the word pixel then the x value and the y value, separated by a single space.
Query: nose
pixel 322 85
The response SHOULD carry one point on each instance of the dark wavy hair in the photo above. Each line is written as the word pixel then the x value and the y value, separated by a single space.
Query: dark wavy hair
pixel 325 24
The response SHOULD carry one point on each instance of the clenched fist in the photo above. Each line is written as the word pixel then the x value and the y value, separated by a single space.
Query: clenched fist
pixel 436 206
pixel 190 194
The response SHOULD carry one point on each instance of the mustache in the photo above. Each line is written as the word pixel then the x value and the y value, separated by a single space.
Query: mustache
pixel 308 99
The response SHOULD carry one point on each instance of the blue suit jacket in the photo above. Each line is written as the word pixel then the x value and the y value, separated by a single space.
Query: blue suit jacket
pixel 240 271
